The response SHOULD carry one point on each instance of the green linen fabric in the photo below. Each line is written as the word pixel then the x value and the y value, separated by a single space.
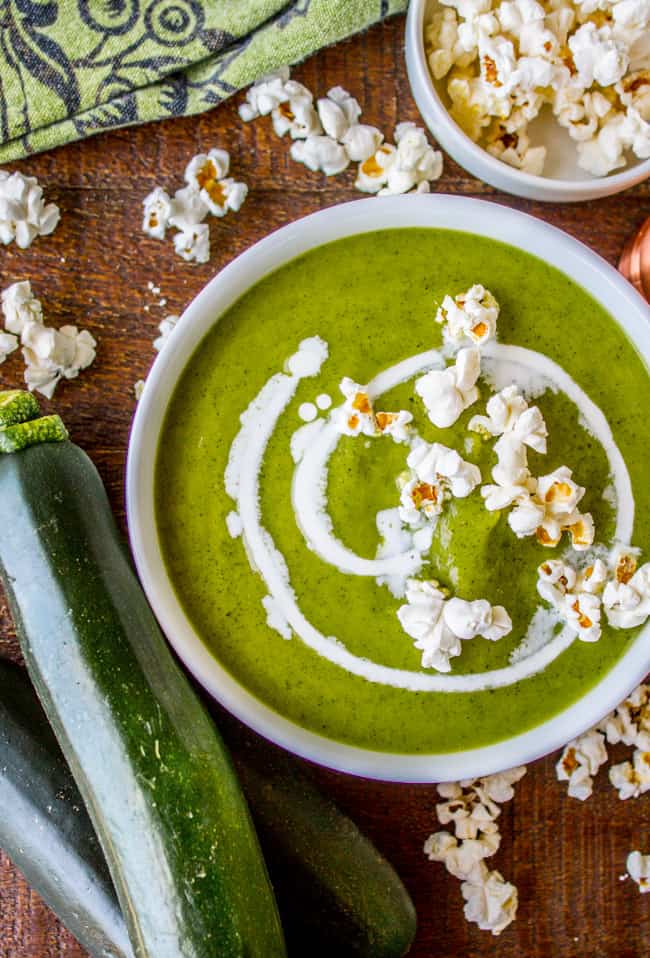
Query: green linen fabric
pixel 73 68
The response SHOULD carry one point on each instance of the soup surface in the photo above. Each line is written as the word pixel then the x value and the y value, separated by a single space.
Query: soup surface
pixel 350 672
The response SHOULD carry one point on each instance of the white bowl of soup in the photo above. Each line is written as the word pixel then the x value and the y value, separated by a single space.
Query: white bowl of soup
pixel 265 518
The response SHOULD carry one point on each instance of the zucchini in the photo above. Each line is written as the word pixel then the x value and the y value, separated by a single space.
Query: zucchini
pixel 44 826
pixel 337 894
pixel 16 405
pixel 19 435
pixel 154 775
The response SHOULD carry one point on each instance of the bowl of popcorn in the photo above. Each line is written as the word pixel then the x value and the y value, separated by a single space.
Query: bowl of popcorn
pixel 548 100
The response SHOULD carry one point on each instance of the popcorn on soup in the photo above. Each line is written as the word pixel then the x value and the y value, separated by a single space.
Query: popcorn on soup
pixel 504 63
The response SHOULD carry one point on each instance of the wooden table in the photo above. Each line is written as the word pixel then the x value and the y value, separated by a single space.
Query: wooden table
pixel 565 857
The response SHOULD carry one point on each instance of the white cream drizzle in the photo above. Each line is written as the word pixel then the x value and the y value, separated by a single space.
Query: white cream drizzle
pixel 309 499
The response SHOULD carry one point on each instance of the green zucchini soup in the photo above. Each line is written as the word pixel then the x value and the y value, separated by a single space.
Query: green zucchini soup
pixel 401 491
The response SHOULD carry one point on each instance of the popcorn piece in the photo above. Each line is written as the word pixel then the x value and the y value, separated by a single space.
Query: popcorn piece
pixel 581 760
pixel 438 624
pixel 356 416
pixel 632 779
pixel 498 787
pixel 491 902
pixel 514 148
pixel 207 175
pixel 420 501
pixel 24 214
pixel 296 115
pixel 20 306
pixel 189 209
pixel 394 424
pixel 509 413
pixel 361 142
pixel 436 463
pixel 415 161
pixel 630 721
pixel 372 174
pixel 157 211
pixel 52 354
pixel 471 315
pixel 320 153
pixel 193 243
pixel 597 55
pixel 627 600
pixel 138 389
pixel 8 342
pixel 166 328
pixel 421 618
pixel 638 868
pixel 265 95
pixel 338 111
pixel 447 393
pixel 469 619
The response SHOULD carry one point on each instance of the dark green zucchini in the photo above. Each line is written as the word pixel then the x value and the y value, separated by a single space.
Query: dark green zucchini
pixel 154 775
pixel 337 895
pixel 44 826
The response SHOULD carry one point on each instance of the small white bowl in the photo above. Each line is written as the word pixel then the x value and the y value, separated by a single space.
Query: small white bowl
pixel 564 182
pixel 348 219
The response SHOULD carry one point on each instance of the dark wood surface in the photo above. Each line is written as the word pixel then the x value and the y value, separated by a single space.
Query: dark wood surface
pixel 564 856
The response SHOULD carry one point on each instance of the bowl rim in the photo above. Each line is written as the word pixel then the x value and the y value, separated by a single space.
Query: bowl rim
pixel 422 83
pixel 361 216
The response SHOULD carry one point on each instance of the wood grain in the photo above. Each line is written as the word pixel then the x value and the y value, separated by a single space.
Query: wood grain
pixel 565 857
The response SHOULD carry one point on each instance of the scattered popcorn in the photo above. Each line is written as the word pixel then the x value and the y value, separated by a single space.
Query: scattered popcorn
pixel 580 761
pixel 193 244
pixel 414 162
pixel 320 154
pixel 20 306
pixel 472 809
pixel 209 190
pixel 265 95
pixel 207 174
pixel 630 721
pixel 138 389
pixel 491 902
pixel 632 779
pixel 157 211
pixel 24 215
pixel 8 342
pixel 166 328
pixel 447 393
pixel 296 114
pixel 372 174
pixel 361 142
pixel 330 136
pixel 560 496
pixel 502 66
pixel 638 867
pixel 50 354
pixel 338 111
pixel 438 624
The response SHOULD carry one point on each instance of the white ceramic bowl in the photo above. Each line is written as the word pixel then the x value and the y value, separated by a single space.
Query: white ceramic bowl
pixel 563 181
pixel 472 216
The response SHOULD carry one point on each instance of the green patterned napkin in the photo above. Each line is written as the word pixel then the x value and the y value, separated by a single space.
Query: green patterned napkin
pixel 72 68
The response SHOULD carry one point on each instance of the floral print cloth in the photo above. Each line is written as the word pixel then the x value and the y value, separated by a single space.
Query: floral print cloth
pixel 73 68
